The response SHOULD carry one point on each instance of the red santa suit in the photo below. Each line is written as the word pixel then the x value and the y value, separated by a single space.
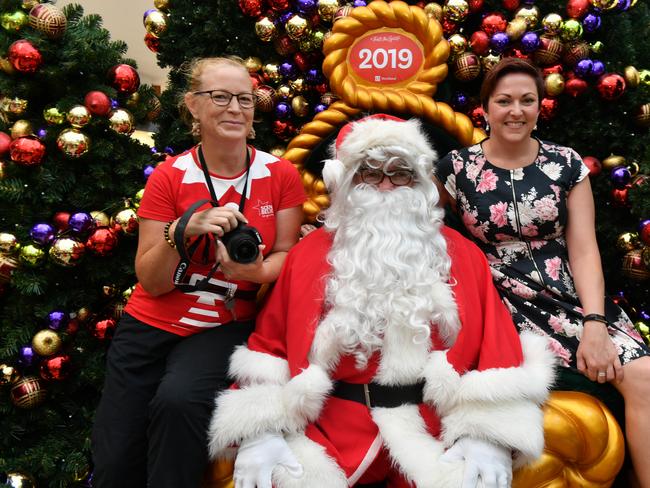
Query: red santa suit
pixel 478 382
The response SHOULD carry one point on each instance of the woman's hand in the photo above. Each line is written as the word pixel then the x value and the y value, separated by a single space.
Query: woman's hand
pixel 233 270
pixel 215 220
pixel 597 357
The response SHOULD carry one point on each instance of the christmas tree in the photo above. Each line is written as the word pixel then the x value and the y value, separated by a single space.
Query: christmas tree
pixel 70 179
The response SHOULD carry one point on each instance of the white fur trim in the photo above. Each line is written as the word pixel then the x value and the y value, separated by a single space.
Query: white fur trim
pixel 253 410
pixel 369 133
pixel 530 381
pixel 402 356
pixel 441 382
pixel 319 469
pixel 414 450
pixel 517 425
pixel 333 172
pixel 252 367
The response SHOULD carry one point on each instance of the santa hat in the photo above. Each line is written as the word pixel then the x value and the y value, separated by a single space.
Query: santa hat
pixel 378 130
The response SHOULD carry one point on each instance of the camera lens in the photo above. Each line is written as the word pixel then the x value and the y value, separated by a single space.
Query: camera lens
pixel 242 244
pixel 246 252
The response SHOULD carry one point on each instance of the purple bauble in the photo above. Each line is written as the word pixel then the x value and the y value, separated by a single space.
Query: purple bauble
pixel 148 169
pixel 591 22
pixel 57 319
pixel 114 104
pixel 81 222
pixel 306 7
pixel 583 68
pixel 359 3
pixel 643 315
pixel 623 5
pixel 284 18
pixel 459 101
pixel 319 108
pixel 529 42
pixel 288 70
pixel 26 356
pixel 169 150
pixel 598 68
pixel 313 76
pixel 283 110
pixel 42 233
pixel 41 133
pixel 620 176
pixel 499 41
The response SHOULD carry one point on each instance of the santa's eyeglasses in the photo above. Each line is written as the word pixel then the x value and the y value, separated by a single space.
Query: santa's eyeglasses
pixel 374 176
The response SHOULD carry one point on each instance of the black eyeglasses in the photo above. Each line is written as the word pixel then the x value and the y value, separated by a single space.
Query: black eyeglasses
pixel 374 176
pixel 222 98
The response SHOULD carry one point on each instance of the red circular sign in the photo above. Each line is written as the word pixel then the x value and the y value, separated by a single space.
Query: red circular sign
pixel 385 57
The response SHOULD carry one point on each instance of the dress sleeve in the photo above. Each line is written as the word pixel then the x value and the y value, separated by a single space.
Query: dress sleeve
pixel 445 173
pixel 158 199
pixel 579 170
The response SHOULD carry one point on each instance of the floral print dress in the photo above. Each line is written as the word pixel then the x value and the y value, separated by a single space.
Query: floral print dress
pixel 517 217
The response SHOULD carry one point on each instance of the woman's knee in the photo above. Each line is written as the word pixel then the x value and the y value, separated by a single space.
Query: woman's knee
pixel 636 382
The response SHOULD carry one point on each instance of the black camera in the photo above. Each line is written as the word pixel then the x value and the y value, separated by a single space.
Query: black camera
pixel 242 243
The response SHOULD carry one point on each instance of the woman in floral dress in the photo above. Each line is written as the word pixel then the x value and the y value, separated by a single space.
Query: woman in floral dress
pixel 528 204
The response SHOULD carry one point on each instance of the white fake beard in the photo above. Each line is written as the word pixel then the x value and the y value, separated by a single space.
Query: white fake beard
pixel 387 256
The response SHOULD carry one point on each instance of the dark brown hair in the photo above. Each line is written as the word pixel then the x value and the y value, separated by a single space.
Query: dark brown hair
pixel 508 66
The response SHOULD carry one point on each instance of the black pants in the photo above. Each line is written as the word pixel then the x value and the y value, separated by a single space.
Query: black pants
pixel 151 423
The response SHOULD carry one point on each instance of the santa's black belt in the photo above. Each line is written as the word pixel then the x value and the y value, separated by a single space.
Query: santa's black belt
pixel 375 395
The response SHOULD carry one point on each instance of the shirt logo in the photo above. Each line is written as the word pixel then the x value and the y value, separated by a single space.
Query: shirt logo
pixel 265 209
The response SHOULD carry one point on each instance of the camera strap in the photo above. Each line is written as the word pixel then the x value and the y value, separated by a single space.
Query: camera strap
pixel 179 236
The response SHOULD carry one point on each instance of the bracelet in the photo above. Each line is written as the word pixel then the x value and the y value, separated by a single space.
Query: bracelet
pixel 171 243
pixel 596 317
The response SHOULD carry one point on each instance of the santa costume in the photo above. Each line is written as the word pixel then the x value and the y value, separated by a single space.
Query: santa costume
pixel 384 341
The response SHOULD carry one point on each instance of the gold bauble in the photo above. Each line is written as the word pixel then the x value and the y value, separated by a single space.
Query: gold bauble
pixel 14 21
pixel 327 9
pixel 3 167
pixel 66 251
pixel 137 198
pixel 6 66
pixel 46 343
pixel 516 28
pixel 7 266
pixel 596 47
pixel 21 128
pixel 530 13
pixel 155 23
pixel 632 77
pixel 284 91
pixel 121 121
pixel 306 44
pixel 28 4
pixel 298 85
pixel 317 37
pixel 53 116
pixel 126 294
pixel 32 256
pixel 552 23
pixel 554 84
pixel 73 143
pixel 154 108
pixel 633 266
pixel 457 44
pixel 278 151
pixel 265 29
pixel 14 106
pixel 604 4
pixel 8 243
pixel 101 219
pixel 645 256
pixel 8 374
pixel 489 61
pixel 296 27
pixel 27 392
pixel 571 30
pixel 126 220
pixel 644 329
pixel 78 116
pixel 83 314
pixel 611 161
pixel 642 115
pixel 161 4
pixel 433 11
pixel 272 72
pixel 455 10
pixel 253 64
pixel 627 241
pixel 300 106
pixel 644 77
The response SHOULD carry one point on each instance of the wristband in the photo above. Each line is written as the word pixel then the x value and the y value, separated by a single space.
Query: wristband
pixel 596 317
pixel 166 234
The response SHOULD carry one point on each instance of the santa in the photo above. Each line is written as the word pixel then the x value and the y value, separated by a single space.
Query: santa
pixel 383 353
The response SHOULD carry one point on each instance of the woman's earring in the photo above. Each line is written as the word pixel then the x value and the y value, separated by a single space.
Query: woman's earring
pixel 535 127
pixel 487 126
pixel 196 128
pixel 251 134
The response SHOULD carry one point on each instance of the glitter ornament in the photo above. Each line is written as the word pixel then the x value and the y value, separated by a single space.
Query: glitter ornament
pixel 46 343
pixel 48 19
pixel 27 392
pixel 467 67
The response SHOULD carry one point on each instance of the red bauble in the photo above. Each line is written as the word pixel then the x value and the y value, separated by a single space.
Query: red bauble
pixel 284 46
pixel 594 165
pixel 494 22
pixel 266 98
pixel 5 142
pixel 152 42
pixel 302 61
pixel 575 86
pixel 644 232
pixel 27 151
pixel 103 329
pixel 556 68
pixel 284 129
pixel 321 89
pixel 56 368
pixel 251 8
pixel 480 43
pixel 611 86
pixel 61 220
pixel 576 9
pixel 257 80
pixel 97 103
pixel 102 241
pixel 24 56
pixel 278 5
pixel 477 116
pixel 124 79
pixel 511 4
pixel 549 108
pixel 475 5
pixel 620 197
pixel 449 27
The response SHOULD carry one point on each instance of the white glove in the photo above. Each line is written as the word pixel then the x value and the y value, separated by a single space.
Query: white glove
pixel 257 457
pixel 489 462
